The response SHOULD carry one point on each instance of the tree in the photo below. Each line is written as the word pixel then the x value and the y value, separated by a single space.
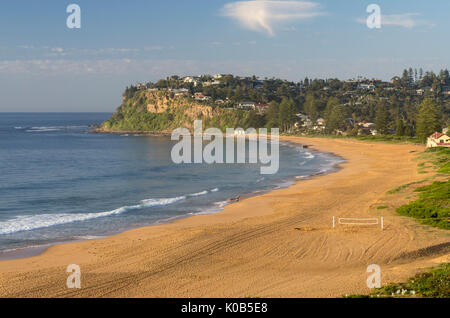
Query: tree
pixel 272 115
pixel 330 122
pixel 311 107
pixel 334 115
pixel 382 120
pixel 400 127
pixel 286 114
pixel 428 119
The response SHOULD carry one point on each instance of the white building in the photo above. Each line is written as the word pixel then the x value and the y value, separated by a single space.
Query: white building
pixel 246 105
pixel 438 140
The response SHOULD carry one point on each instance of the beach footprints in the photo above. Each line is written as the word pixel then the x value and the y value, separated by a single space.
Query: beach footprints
pixel 74 279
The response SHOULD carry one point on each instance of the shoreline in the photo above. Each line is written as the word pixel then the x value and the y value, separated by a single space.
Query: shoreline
pixel 31 251
pixel 278 244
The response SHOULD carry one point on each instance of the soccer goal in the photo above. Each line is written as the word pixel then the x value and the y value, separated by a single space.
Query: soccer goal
pixel 358 221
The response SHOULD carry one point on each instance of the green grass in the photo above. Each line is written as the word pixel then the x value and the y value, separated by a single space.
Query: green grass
pixel 432 284
pixel 378 138
pixel 404 186
pixel 440 158
pixel 432 207
pixel 382 207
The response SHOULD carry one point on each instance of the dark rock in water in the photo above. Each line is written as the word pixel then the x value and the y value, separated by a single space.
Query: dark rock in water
pixel 236 199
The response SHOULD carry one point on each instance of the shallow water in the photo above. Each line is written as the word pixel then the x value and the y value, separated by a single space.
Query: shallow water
pixel 59 182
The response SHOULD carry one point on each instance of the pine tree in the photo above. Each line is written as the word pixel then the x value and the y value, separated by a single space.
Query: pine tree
pixel 400 127
pixel 428 119
pixel 334 115
pixel 382 120
pixel 286 114
pixel 272 115
pixel 311 107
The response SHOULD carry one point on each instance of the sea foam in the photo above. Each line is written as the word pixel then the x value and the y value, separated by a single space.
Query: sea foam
pixel 33 222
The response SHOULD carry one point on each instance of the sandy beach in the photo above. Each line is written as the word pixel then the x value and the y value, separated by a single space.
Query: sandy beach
pixel 279 244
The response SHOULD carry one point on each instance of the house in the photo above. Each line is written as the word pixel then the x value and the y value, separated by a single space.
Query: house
pixel 262 108
pixel 302 116
pixel 246 105
pixel 369 87
pixel 201 97
pixel 190 79
pixel 209 83
pixel 179 91
pixel 438 140
pixel 141 86
pixel 446 90
pixel 420 92
pixel 366 125
pixel 320 122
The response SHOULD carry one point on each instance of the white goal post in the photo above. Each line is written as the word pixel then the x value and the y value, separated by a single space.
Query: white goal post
pixel 358 221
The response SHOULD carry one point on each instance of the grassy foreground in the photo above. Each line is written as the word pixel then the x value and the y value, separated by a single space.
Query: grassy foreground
pixel 432 207
pixel 432 284
pixel 433 204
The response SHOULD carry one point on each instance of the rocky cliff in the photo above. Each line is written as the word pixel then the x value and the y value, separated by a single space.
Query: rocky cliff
pixel 161 111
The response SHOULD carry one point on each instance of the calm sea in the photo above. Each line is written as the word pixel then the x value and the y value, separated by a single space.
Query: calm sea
pixel 59 182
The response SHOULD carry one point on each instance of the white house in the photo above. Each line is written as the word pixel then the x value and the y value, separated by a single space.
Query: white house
pixel 438 140
pixel 190 79
pixel 246 105
pixel 369 87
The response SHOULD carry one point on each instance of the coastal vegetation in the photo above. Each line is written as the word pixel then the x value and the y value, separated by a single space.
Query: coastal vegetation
pixel 407 109
pixel 434 283
pixel 432 206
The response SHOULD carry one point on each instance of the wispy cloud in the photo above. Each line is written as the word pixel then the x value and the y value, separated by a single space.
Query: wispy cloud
pixel 405 20
pixel 52 52
pixel 264 15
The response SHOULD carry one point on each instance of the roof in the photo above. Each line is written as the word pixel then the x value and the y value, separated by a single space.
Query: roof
pixel 437 135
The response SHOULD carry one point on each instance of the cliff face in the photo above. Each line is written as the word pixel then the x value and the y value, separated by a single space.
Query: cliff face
pixel 159 102
pixel 159 111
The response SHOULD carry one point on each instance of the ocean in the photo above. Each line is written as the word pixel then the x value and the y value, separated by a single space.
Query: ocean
pixel 59 182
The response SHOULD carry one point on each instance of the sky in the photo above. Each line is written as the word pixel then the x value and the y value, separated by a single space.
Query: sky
pixel 47 67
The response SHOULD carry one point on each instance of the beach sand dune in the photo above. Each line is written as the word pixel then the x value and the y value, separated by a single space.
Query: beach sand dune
pixel 279 244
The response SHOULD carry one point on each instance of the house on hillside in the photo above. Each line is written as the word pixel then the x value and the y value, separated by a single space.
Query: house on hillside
pixel 438 140
pixel 262 108
pixel 247 105
pixel 201 97
pixel 368 87
pixel 191 79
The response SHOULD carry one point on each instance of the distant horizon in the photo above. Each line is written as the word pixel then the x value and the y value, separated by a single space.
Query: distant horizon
pixel 48 65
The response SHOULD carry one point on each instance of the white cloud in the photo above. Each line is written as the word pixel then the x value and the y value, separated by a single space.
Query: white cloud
pixel 263 15
pixel 405 20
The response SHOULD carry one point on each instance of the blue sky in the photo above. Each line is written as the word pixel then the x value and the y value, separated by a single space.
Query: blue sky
pixel 44 66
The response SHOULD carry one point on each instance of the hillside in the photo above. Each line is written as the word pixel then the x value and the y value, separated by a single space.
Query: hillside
pixel 163 111
pixel 407 107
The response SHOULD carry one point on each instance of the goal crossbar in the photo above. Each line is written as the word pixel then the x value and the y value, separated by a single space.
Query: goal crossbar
pixel 358 221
